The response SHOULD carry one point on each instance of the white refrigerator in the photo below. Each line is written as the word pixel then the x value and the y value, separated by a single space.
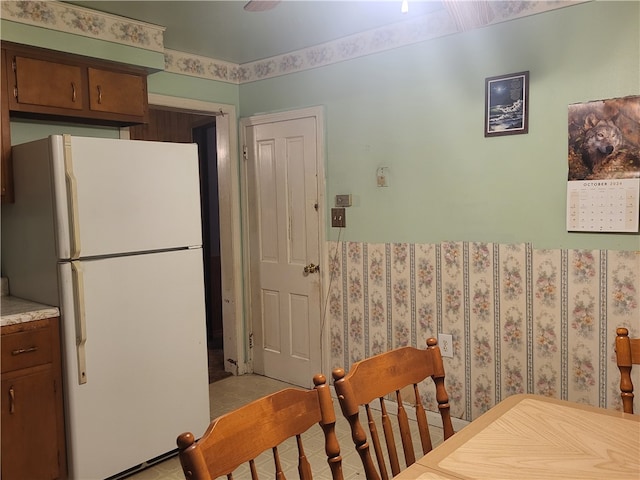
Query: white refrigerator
pixel 110 231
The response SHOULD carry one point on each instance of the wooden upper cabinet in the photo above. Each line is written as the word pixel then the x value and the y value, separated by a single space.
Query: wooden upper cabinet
pixel 47 84
pixel 116 92
pixel 60 86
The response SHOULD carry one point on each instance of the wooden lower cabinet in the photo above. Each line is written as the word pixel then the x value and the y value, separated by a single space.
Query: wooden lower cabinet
pixel 32 419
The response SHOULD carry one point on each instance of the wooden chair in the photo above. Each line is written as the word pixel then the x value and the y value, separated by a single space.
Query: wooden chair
pixel 389 373
pixel 627 354
pixel 240 436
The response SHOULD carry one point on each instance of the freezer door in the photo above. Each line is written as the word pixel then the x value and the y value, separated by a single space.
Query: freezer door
pixel 142 376
pixel 122 196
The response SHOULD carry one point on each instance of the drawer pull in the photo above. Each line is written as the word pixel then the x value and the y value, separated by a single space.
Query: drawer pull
pixel 73 91
pixel 24 350
pixel 12 400
pixel 99 94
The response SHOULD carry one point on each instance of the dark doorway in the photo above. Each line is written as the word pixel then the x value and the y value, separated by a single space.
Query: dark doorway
pixel 173 126
pixel 205 137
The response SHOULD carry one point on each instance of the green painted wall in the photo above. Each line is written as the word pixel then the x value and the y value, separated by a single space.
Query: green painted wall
pixel 418 110
pixel 175 85
pixel 25 130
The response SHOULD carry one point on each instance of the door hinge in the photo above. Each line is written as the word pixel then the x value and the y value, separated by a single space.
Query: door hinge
pixel 251 340
pixel 245 154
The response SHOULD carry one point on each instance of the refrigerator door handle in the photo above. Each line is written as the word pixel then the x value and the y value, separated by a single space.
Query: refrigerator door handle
pixel 80 320
pixel 72 195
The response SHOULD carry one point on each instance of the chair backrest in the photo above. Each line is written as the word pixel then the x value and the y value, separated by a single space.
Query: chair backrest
pixel 627 354
pixel 238 437
pixel 377 377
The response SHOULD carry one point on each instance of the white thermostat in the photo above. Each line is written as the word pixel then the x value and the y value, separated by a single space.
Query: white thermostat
pixel 343 200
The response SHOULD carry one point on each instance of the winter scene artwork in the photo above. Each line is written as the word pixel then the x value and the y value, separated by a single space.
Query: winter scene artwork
pixel 506 105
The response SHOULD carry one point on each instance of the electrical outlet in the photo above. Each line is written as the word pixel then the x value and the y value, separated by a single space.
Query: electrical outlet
pixel 338 217
pixel 445 342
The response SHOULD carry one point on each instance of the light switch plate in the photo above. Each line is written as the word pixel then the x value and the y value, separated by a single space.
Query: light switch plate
pixel 338 217
pixel 445 342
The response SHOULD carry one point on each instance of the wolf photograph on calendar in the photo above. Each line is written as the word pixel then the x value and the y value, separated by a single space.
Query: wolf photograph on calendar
pixel 604 139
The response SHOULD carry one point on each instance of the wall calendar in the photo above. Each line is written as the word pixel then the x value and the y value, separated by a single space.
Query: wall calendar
pixel 603 188
pixel 603 205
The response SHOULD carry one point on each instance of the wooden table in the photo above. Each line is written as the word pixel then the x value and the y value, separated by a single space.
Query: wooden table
pixel 532 437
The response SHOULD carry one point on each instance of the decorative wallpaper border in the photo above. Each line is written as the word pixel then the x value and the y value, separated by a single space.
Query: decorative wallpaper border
pixel 68 18
pixel 202 67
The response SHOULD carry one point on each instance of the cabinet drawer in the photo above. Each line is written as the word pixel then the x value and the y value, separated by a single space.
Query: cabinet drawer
pixel 48 84
pixel 26 349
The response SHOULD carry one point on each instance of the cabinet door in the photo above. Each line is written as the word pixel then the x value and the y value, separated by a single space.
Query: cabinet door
pixel 29 429
pixel 48 84
pixel 116 92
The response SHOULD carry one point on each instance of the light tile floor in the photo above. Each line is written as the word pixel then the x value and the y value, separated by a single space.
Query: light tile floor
pixel 232 392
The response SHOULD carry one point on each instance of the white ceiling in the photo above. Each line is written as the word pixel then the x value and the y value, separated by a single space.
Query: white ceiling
pixel 225 31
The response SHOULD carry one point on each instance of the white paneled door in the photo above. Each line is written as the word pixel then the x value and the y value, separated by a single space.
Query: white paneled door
pixel 283 217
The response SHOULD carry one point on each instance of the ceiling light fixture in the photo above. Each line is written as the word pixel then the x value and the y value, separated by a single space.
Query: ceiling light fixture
pixel 405 6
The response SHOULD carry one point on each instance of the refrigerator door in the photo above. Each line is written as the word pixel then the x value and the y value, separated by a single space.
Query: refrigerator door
pixel 140 378
pixel 124 196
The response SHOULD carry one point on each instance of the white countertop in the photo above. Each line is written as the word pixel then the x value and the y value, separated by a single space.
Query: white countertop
pixel 18 310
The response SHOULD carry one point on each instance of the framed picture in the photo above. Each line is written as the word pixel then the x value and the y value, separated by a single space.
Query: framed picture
pixel 506 105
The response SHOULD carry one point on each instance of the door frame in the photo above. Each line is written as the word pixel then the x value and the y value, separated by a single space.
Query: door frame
pixel 317 113
pixel 235 345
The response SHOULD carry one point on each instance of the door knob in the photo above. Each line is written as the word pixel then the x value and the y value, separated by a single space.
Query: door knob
pixel 311 268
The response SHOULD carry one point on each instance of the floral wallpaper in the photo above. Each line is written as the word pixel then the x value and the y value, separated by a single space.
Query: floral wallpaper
pixel 81 21
pixel 522 320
